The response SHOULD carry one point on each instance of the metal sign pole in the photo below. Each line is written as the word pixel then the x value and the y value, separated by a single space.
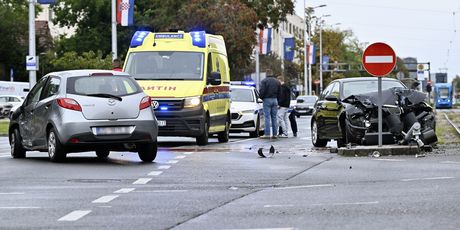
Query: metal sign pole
pixel 32 53
pixel 380 102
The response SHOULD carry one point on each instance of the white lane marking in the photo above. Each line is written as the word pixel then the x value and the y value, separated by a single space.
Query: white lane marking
pixel 155 173
pixel 105 199
pixel 188 153
pixel 75 215
pixel 450 162
pixel 12 193
pixel 125 190
pixel 142 181
pixel 19 207
pixel 159 191
pixel 278 205
pixel 1 156
pixel 427 178
pixel 439 178
pixel 172 162
pixel 379 59
pixel 394 160
pixel 354 203
pixel 164 167
pixel 305 186
pixel 288 228
pixel 180 157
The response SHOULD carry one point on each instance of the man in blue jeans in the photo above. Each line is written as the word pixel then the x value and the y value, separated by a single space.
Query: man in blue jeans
pixel 270 88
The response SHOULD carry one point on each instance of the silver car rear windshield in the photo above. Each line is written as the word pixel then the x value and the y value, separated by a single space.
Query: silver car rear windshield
pixel 361 87
pixel 165 65
pixel 242 95
pixel 113 85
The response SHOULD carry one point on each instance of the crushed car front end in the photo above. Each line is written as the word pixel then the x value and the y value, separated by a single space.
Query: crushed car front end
pixel 406 118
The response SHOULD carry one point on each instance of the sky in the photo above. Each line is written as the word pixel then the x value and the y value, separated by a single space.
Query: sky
pixel 424 29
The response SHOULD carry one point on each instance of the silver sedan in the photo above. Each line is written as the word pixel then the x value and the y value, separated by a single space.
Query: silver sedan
pixel 85 110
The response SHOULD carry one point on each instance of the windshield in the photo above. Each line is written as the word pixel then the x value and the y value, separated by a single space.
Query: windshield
pixel 165 65
pixel 444 93
pixel 242 95
pixel 361 87
pixel 306 99
pixel 99 85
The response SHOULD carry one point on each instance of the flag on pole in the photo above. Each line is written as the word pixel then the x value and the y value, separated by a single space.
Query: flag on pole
pixel 311 50
pixel 289 49
pixel 265 40
pixel 125 12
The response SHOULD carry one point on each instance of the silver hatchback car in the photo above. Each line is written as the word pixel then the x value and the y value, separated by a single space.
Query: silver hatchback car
pixel 85 110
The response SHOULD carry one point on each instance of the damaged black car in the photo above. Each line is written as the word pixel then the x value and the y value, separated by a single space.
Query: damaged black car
pixel 347 111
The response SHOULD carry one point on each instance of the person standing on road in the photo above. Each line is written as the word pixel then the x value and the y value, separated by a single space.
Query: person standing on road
pixel 284 101
pixel 292 120
pixel 269 89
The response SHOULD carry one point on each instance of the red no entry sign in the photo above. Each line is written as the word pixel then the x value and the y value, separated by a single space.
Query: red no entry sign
pixel 379 59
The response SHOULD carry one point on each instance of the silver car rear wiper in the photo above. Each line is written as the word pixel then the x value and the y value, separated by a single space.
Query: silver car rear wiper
pixel 106 95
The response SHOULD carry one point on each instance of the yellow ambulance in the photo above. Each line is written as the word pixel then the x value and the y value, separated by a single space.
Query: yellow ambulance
pixel 188 78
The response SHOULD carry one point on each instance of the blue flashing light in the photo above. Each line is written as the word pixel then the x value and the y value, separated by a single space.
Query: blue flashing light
pixel 249 83
pixel 163 108
pixel 138 38
pixel 198 38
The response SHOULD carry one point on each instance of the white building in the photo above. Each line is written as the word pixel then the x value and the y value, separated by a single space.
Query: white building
pixel 293 27
pixel 47 15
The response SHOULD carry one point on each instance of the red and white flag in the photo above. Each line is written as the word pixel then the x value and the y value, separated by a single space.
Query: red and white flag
pixel 265 40
pixel 125 12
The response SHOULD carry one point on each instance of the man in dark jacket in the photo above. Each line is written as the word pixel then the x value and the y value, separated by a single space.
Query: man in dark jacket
pixel 269 90
pixel 284 101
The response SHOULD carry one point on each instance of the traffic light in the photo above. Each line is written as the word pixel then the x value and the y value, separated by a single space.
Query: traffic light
pixel 428 87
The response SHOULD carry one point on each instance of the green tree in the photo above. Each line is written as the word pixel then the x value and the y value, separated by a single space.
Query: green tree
pixel 271 11
pixel 229 18
pixel 14 38
pixel 92 20
pixel 86 60
pixel 234 19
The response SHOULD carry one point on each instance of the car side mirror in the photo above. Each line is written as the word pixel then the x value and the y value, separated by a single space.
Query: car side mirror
pixel 331 98
pixel 259 100
pixel 214 78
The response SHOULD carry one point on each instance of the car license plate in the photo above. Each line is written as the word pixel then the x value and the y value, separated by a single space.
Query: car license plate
pixel 161 123
pixel 98 131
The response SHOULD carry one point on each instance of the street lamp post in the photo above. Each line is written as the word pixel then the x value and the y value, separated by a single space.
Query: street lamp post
pixel 320 24
pixel 306 41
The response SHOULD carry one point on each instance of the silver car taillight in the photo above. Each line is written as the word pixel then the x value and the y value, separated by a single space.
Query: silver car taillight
pixel 145 103
pixel 69 103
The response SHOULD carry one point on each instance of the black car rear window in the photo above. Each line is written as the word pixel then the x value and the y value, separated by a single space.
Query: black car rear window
pixel 114 85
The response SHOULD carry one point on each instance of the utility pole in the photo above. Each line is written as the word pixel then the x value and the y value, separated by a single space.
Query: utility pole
pixel 305 53
pixel 114 30
pixel 281 44
pixel 307 41
pixel 320 24
pixel 32 53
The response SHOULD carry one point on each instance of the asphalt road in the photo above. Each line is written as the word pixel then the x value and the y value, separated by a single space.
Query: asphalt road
pixel 228 186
